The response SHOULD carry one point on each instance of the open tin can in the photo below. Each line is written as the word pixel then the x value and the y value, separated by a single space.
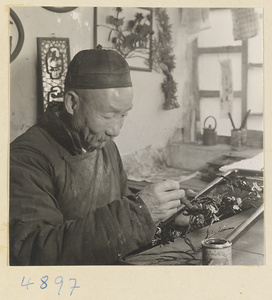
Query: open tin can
pixel 216 251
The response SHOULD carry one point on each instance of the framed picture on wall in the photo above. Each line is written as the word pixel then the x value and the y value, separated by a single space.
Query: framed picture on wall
pixel 17 35
pixel 127 30
pixel 53 60
pixel 62 9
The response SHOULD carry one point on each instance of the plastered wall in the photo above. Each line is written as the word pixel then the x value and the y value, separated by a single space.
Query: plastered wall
pixel 147 123
pixel 220 34
pixel 38 22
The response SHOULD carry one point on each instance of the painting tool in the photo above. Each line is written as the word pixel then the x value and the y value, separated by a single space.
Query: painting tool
pixel 231 120
pixel 245 120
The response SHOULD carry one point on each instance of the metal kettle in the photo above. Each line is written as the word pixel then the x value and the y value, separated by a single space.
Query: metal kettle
pixel 209 133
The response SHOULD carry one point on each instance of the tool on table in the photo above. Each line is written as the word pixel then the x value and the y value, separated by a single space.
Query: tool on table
pixel 187 203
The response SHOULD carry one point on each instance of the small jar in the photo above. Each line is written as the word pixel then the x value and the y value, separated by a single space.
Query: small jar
pixel 238 139
pixel 216 252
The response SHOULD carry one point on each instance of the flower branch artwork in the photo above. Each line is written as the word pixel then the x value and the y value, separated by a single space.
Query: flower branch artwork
pixel 127 30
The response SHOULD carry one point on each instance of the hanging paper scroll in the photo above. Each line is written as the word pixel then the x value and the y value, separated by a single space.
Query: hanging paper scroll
pixel 226 91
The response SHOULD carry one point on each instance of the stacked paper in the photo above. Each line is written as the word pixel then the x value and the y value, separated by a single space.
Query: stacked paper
pixel 255 163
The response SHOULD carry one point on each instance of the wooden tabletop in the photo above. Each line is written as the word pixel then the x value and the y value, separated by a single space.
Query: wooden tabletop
pixel 247 250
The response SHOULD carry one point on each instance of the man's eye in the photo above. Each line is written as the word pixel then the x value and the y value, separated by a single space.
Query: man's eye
pixel 107 117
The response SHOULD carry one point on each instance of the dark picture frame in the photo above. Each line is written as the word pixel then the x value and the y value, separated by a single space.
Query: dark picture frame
pixel 53 59
pixel 14 20
pixel 127 30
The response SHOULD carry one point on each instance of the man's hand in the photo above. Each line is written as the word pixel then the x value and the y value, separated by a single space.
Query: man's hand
pixel 182 220
pixel 162 199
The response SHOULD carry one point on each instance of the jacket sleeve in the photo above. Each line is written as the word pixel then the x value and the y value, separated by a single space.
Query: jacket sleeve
pixel 39 235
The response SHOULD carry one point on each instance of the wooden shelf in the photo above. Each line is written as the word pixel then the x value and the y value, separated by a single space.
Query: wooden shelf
pixel 223 49
pixel 255 65
pixel 216 94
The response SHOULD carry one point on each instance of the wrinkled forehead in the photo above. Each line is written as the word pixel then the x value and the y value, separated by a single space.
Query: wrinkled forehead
pixel 119 99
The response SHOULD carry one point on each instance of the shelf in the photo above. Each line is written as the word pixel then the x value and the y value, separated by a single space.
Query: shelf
pixel 223 49
pixel 216 94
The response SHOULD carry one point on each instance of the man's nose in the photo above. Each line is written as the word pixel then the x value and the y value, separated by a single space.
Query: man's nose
pixel 114 128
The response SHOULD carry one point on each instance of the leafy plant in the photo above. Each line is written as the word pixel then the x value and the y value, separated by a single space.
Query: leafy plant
pixel 163 58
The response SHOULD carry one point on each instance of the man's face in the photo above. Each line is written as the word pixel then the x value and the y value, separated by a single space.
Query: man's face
pixel 100 114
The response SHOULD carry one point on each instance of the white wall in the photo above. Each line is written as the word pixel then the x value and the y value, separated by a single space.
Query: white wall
pixel 147 124
pixel 38 22
pixel 220 34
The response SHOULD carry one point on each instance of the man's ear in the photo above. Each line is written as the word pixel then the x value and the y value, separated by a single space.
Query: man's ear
pixel 71 101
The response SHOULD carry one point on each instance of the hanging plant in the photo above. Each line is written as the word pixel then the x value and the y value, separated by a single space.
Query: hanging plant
pixel 163 59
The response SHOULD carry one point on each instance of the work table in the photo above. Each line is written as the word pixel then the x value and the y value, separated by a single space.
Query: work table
pixel 247 250
pixel 207 160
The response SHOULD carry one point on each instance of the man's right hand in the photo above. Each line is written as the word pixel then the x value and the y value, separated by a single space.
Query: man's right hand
pixel 162 199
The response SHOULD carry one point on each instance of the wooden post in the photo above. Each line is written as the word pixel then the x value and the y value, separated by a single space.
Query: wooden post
pixel 244 77
pixel 195 88
pixel 95 28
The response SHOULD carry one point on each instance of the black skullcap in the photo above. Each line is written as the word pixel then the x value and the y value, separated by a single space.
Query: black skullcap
pixel 98 69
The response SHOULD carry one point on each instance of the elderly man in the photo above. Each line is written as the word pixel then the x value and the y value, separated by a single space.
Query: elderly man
pixel 69 201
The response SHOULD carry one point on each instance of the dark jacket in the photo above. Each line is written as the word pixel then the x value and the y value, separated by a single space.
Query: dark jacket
pixel 69 207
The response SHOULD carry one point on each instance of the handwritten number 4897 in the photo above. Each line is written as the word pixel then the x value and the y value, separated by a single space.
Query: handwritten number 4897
pixel 44 283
